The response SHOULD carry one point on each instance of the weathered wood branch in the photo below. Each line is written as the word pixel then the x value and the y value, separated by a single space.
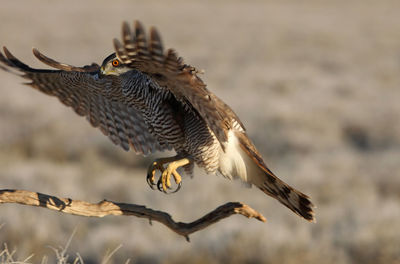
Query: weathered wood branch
pixel 103 208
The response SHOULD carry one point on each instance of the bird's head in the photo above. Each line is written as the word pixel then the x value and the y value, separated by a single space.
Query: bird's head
pixel 113 66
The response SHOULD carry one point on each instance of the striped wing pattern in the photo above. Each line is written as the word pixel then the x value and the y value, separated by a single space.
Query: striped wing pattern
pixel 167 69
pixel 80 89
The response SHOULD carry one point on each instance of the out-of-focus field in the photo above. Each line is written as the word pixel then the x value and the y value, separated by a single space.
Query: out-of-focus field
pixel 317 83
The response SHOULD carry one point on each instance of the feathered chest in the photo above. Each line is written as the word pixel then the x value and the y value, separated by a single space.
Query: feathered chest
pixel 161 111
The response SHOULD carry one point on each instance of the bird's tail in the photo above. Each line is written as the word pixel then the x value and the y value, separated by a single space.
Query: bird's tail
pixel 257 173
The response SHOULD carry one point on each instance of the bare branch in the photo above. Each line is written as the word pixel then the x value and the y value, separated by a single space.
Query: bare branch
pixel 103 208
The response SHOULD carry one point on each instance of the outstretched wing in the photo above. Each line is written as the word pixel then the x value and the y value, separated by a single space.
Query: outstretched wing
pixel 148 56
pixel 81 89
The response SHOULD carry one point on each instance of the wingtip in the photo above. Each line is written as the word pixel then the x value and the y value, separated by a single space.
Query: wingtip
pixel 153 30
pixel 36 53
pixel 139 29
pixel 11 61
pixel 8 53
pixel 117 44
pixel 125 26
pixel 154 34
pixel 126 32
pixel 42 57
pixel 1 55
pixel 137 24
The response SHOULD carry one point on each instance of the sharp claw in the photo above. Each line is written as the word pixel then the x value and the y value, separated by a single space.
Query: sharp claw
pixel 150 183
pixel 159 185
pixel 178 188
pixel 160 188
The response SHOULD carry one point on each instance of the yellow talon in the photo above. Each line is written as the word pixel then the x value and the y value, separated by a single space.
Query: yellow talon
pixel 164 183
pixel 177 177
pixel 151 171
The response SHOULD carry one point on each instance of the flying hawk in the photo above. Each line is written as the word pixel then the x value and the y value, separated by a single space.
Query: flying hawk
pixel 148 100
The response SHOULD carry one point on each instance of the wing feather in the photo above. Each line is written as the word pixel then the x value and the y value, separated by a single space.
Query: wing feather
pixel 80 89
pixel 62 66
pixel 168 70
pixel 156 47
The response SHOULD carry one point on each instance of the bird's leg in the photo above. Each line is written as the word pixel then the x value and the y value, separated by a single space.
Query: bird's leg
pixel 164 182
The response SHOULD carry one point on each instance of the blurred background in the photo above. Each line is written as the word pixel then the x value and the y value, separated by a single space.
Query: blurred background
pixel 317 83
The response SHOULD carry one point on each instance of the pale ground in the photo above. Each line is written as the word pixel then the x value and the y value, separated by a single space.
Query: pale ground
pixel 317 83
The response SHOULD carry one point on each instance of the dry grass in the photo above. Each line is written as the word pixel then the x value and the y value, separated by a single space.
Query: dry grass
pixel 315 82
pixel 60 255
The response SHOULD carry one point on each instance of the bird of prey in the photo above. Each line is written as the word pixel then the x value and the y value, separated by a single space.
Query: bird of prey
pixel 146 99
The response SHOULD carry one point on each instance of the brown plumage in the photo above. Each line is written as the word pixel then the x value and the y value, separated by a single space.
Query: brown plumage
pixel 148 100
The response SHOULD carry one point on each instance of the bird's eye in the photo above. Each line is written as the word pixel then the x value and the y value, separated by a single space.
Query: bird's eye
pixel 115 63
